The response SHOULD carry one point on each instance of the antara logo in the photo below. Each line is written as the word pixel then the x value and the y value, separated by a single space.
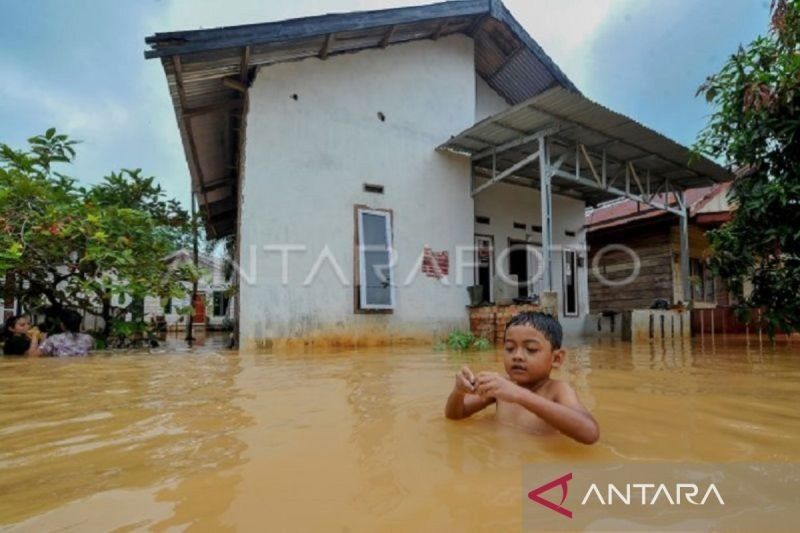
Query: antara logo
pixel 649 494
pixel 689 491
pixel 562 482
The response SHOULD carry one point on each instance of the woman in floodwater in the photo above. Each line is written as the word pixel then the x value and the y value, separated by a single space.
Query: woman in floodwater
pixel 69 343
pixel 17 336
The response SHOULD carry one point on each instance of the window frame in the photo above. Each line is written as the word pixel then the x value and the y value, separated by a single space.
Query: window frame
pixel 360 296
pixel 224 303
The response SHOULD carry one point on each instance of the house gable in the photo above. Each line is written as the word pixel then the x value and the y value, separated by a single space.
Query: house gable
pixel 487 101
pixel 209 73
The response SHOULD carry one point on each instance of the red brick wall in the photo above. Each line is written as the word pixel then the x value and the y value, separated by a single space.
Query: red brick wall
pixel 489 321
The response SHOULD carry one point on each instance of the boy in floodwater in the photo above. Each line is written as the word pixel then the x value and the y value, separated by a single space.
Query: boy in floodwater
pixel 526 397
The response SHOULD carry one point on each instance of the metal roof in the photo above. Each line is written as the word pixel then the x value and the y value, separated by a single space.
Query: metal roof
pixel 627 212
pixel 580 121
pixel 208 72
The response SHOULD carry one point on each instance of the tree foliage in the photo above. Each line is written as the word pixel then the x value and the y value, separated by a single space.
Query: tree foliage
pixel 755 128
pixel 98 248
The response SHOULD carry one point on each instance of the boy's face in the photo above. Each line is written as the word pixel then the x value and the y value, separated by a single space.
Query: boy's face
pixel 529 356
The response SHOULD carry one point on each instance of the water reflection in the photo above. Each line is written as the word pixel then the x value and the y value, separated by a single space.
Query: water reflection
pixel 73 428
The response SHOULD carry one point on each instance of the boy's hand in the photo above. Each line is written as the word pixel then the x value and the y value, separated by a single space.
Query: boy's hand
pixel 493 385
pixel 465 381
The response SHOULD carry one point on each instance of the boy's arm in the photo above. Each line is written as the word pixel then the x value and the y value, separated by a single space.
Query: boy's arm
pixel 462 402
pixel 462 405
pixel 565 412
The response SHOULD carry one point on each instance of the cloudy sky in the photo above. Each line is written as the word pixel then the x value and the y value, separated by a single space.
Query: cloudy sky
pixel 79 65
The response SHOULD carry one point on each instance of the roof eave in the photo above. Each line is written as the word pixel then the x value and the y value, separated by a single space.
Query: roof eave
pixel 304 28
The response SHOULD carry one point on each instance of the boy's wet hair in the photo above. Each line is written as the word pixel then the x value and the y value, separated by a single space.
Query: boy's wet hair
pixel 546 324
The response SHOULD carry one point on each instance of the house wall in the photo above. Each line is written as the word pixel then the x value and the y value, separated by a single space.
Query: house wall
pixel 306 162
pixel 487 101
pixel 506 204
pixel 716 204
pixel 657 244
pixel 651 243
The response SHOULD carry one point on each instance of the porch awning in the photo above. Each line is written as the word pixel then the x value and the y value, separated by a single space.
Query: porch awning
pixel 593 153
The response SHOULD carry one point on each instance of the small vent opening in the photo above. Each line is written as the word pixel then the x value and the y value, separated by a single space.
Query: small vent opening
pixel 373 188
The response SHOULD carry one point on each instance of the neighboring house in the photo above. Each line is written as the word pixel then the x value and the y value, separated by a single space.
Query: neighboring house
pixel 653 237
pixel 393 158
pixel 10 304
pixel 214 302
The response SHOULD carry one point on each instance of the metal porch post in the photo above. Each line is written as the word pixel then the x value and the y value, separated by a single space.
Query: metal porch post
pixel 547 212
pixel 684 220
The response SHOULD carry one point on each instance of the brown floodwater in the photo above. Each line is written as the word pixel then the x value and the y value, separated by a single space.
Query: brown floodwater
pixel 354 440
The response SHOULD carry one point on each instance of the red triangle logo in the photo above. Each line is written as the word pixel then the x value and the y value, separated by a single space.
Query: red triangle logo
pixel 535 495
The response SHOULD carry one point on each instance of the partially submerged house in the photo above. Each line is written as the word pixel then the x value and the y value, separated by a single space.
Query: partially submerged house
pixel 213 306
pixel 634 252
pixel 652 238
pixel 373 165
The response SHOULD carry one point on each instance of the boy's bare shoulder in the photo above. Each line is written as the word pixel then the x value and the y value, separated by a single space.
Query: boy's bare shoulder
pixel 563 393
pixel 556 390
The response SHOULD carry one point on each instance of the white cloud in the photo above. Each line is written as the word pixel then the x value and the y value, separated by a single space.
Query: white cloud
pixel 88 114
pixel 567 30
pixel 194 14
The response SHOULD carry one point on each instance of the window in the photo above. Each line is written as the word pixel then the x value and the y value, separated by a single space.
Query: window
pixel 702 281
pixel 709 285
pixel 137 308
pixel 570 274
pixel 375 282
pixel 221 301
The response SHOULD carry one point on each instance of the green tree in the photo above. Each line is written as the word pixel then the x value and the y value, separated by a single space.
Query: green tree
pixel 755 128
pixel 68 245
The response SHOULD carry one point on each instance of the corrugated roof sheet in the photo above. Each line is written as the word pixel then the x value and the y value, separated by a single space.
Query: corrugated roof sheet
pixel 583 121
pixel 627 211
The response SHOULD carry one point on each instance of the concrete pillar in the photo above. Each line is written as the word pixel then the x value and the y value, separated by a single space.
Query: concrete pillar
pixel 547 213
pixel 684 222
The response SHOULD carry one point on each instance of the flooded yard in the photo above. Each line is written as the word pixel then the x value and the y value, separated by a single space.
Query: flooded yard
pixel 355 440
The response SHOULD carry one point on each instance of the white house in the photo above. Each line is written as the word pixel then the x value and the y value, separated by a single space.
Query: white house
pixel 374 165
pixel 214 302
